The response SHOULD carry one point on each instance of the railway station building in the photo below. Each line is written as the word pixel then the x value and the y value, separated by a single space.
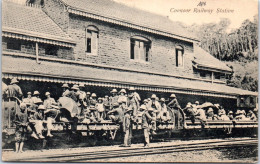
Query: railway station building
pixel 106 45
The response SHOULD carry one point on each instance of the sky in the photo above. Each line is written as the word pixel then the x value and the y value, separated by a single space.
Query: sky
pixel 242 9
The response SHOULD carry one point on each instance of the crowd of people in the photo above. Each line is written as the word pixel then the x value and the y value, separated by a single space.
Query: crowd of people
pixel 123 107
pixel 196 111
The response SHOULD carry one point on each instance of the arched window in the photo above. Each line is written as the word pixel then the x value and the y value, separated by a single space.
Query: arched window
pixel 140 48
pixel 179 50
pixel 92 40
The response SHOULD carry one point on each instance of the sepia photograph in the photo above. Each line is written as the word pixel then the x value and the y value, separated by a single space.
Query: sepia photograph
pixel 140 81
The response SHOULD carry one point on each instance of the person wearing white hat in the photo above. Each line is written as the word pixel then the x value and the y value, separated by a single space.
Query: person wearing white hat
pixel 189 112
pixel 113 99
pixel 122 99
pixel 36 120
pixel 173 104
pixel 164 114
pixel 251 115
pixel 66 90
pixel 21 121
pixel 155 107
pixel 100 109
pixel 230 115
pixel 127 128
pixel 51 107
pixel 146 121
pixel 210 114
pixel 13 90
pixel 29 99
pixel 116 114
pixel 49 102
pixel 134 101
pixel 82 98
pixel 36 97
pixel 240 115
pixel 222 116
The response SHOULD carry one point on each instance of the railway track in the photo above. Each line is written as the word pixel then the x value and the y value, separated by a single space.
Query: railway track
pixel 140 151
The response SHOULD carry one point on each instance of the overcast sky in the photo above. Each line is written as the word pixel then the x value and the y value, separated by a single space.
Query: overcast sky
pixel 243 9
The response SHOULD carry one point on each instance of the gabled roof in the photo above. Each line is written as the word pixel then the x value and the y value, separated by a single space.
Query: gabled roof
pixel 120 14
pixel 205 60
pixel 31 22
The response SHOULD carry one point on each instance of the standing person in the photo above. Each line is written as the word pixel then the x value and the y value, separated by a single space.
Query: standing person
pixel 113 99
pixel 154 106
pixel 174 104
pixel 82 98
pixel 134 101
pixel 51 112
pixel 146 120
pixel 92 107
pixel 127 128
pixel 66 90
pixel 106 104
pixel 13 90
pixel 122 99
pixel 74 94
pixel 21 120
pixel 11 93
pixel 88 98
pixel 100 109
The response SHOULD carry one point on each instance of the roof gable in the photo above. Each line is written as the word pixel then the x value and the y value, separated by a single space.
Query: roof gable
pixel 31 21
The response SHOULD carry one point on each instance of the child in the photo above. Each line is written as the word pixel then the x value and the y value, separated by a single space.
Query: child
pixel 100 109
pixel 21 120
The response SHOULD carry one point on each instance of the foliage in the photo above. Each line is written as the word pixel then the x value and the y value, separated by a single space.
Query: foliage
pixel 238 48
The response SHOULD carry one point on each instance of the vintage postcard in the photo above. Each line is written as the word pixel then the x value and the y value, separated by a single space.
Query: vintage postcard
pixel 130 81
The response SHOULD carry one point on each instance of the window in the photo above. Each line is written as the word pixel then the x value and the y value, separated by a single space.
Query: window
pixel 179 56
pixel 203 74
pixel 140 48
pixel 92 40
pixel 217 75
pixel 51 50
pixel 14 44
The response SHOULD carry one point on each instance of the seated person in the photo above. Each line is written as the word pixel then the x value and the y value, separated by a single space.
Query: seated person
pixel 240 116
pixel 251 115
pixel 200 115
pixel 36 120
pixel 221 110
pixel 222 116
pixel 230 115
pixel 189 112
pixel 210 114
pixel 164 114
pixel 116 114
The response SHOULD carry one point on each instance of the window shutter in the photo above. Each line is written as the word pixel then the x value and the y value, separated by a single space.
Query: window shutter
pixel 142 51
pixel 136 50
pixel 94 42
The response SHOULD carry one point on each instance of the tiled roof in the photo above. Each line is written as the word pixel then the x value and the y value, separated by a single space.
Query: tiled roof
pixel 204 59
pixel 58 69
pixel 121 12
pixel 30 21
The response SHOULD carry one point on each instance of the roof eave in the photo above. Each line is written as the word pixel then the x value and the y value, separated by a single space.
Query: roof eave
pixel 67 42
pixel 127 24
pixel 210 68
